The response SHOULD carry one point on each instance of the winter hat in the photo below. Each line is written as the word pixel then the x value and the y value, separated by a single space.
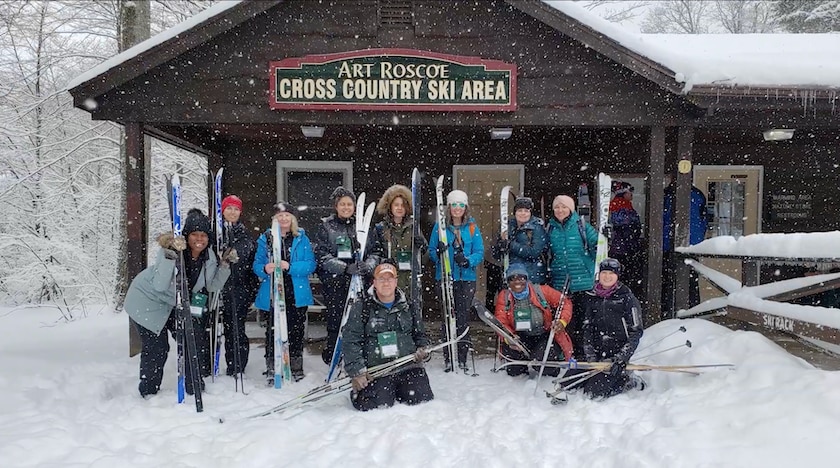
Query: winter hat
pixel 565 200
pixel 516 269
pixel 457 196
pixel 623 188
pixel 523 202
pixel 341 192
pixel 196 221
pixel 284 207
pixel 231 200
pixel 610 264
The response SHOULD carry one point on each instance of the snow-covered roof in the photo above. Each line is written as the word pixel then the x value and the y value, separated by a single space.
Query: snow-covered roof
pixel 754 60
pixel 155 40
pixel 823 245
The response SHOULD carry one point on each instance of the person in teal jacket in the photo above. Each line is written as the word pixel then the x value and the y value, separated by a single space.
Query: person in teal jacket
pixel 297 262
pixel 466 251
pixel 572 247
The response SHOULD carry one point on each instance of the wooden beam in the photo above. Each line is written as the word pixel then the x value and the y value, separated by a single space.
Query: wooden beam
pixel 135 210
pixel 789 325
pixel 806 291
pixel 655 202
pixel 682 214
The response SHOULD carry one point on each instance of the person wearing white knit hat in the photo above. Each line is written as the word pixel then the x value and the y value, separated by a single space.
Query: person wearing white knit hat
pixel 465 249
pixel 572 246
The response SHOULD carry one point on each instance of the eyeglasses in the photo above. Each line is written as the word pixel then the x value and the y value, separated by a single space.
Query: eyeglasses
pixel 458 205
pixel 517 278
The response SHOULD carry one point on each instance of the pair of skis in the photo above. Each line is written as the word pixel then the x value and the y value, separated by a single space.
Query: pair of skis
pixel 282 358
pixel 450 324
pixel 339 386
pixel 216 336
pixel 185 336
pixel 604 193
pixel 356 290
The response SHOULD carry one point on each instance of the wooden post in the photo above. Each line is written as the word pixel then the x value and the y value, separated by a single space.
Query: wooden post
pixel 135 211
pixel 655 202
pixel 682 213
pixel 134 25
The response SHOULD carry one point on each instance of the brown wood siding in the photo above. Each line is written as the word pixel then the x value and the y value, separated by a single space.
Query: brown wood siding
pixel 560 81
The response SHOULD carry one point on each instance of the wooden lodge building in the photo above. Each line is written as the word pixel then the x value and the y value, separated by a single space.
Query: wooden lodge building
pixel 295 97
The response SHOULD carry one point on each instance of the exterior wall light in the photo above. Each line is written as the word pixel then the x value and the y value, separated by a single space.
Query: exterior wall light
pixel 312 131
pixel 778 134
pixel 500 133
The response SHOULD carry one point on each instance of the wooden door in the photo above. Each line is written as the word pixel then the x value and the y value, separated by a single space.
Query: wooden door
pixel 483 185
pixel 733 201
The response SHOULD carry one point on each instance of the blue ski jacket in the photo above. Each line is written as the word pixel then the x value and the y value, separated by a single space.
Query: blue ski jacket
pixel 302 264
pixel 470 238
pixel 528 244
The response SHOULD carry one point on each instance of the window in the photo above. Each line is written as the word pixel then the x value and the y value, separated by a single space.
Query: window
pixel 309 184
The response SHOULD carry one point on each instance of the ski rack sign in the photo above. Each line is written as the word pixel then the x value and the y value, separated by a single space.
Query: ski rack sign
pixel 392 79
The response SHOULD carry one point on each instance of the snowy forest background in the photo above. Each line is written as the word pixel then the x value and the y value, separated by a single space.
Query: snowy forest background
pixel 61 181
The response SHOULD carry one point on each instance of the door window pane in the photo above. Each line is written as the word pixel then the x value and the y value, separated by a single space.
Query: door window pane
pixel 312 190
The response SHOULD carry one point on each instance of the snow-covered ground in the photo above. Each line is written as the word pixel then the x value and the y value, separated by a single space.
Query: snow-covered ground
pixel 70 399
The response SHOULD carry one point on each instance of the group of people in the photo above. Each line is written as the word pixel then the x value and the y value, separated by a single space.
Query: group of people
pixel 600 321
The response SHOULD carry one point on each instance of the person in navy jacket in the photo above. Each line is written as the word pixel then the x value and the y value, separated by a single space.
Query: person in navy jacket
pixel 297 262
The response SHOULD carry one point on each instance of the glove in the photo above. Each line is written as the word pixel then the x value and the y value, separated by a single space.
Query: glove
pixel 461 260
pixel 617 369
pixel 503 245
pixel 419 243
pixel 167 240
pixel 421 354
pixel 607 231
pixel 360 381
pixel 589 353
pixel 441 249
pixel 230 256
pixel 359 268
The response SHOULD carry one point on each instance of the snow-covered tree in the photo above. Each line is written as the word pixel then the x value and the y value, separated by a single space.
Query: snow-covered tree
pixel 748 16
pixel 808 16
pixel 678 16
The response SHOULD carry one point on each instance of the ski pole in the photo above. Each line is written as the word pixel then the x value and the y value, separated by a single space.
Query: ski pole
pixel 687 344
pixel 549 344
pixel 681 329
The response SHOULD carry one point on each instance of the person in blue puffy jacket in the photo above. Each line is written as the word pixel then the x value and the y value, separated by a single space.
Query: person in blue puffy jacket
pixel 465 250
pixel 298 262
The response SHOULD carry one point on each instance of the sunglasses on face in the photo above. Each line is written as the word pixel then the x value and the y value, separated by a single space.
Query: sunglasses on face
pixel 458 205
pixel 610 263
pixel 517 278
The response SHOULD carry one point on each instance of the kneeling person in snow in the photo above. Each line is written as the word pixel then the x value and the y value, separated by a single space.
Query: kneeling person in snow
pixel 382 328
pixel 527 311
pixel 150 300
pixel 611 332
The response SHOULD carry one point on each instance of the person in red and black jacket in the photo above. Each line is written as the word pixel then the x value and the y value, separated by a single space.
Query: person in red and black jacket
pixel 527 311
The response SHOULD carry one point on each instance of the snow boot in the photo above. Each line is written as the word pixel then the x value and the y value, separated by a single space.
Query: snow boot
pixel 296 364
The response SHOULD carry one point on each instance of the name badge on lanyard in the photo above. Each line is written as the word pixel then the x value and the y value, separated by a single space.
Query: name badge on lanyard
pixel 198 302
pixel 344 247
pixel 404 260
pixel 388 344
pixel 522 319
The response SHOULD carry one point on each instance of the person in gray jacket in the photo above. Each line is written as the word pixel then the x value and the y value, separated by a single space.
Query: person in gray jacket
pixel 150 300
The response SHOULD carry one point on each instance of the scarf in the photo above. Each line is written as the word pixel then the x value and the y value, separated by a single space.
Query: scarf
pixel 522 295
pixel 600 291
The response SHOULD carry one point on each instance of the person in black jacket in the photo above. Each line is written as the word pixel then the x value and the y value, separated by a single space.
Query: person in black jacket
pixel 237 293
pixel 337 254
pixel 611 332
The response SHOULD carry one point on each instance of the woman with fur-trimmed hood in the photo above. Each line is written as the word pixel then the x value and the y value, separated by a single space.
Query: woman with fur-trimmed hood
pixel 394 232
